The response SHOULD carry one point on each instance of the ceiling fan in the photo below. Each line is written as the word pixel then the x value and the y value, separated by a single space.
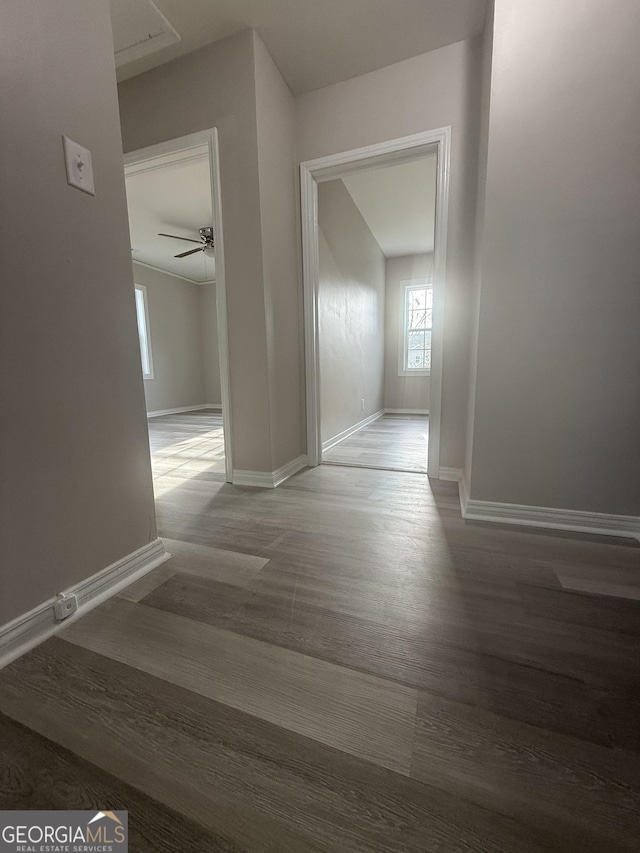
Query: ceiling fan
pixel 205 241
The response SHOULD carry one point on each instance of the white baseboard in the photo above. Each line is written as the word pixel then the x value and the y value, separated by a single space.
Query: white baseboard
pixel 463 492
pixel 575 521
pixel 406 411
pixel 269 479
pixel 217 406
pixel 179 410
pixel 285 471
pixel 32 628
pixel 453 475
pixel 331 442
pixel 259 479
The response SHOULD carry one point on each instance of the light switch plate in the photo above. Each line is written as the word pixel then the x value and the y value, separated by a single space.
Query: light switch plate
pixel 79 167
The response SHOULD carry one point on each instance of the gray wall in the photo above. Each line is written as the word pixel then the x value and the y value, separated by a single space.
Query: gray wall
pixel 209 337
pixel 216 87
pixel 350 313
pixel 557 412
pixel 483 146
pixel 254 113
pixel 76 492
pixel 429 91
pixel 402 392
pixel 253 110
pixel 279 209
pixel 178 361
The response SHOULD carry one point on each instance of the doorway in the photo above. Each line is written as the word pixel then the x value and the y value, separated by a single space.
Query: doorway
pixel 373 273
pixel 173 194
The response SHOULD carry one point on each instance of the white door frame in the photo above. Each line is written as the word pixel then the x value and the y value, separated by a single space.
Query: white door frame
pixel 195 140
pixel 335 166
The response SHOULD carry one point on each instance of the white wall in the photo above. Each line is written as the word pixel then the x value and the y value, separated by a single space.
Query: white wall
pixel 175 318
pixel 433 90
pixel 209 338
pixel 402 392
pixel 557 411
pixel 76 492
pixel 350 313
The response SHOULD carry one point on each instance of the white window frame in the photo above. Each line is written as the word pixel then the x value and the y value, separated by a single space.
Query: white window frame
pixel 403 337
pixel 144 332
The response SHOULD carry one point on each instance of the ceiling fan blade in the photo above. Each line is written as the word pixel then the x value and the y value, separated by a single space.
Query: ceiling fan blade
pixel 190 252
pixel 175 237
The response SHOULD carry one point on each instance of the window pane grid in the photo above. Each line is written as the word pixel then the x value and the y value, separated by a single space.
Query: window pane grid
pixel 417 332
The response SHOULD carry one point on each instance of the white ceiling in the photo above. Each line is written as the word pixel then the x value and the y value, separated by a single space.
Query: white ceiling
pixel 313 42
pixel 398 203
pixel 171 193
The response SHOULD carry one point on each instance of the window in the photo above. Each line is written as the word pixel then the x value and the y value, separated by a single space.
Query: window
pixel 142 313
pixel 415 337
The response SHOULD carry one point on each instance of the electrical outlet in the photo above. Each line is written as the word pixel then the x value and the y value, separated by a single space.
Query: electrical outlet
pixel 362 405
pixel 65 605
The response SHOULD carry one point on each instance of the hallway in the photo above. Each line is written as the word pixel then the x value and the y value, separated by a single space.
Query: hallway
pixel 340 664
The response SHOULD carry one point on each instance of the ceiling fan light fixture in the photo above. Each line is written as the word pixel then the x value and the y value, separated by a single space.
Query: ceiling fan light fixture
pixel 205 243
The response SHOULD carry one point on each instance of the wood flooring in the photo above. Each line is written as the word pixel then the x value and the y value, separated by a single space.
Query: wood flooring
pixel 184 445
pixel 340 664
pixel 393 442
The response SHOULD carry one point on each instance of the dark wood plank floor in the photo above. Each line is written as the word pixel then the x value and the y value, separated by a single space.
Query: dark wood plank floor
pixel 341 664
pixel 393 442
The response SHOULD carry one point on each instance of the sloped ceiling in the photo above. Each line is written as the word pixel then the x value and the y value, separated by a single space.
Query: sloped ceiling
pixel 313 42
pixel 398 204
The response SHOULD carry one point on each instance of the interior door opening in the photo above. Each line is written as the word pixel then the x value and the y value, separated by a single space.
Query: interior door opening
pixel 373 241
pixel 178 265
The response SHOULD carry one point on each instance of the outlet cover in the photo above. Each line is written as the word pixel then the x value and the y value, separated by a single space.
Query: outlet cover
pixel 77 159
pixel 64 606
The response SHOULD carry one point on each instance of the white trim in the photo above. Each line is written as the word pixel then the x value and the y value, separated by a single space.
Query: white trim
pixel 336 165
pixel 269 479
pixel 181 409
pixel 175 157
pixel 577 521
pixel 285 471
pixel 259 479
pixel 30 629
pixel 331 442
pixel 453 475
pixel 177 411
pixel 310 285
pixel 172 274
pixel 147 331
pixel 406 411
pixel 182 144
pixel 463 491
pixel 221 302
pixel 403 335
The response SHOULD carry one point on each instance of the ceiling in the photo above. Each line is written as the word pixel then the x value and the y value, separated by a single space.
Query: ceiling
pixel 398 203
pixel 314 43
pixel 171 193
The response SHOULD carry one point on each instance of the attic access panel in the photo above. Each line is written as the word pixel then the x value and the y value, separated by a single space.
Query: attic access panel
pixel 139 28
